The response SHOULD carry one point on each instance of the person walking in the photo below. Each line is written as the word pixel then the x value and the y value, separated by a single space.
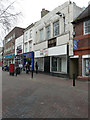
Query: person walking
pixel 36 65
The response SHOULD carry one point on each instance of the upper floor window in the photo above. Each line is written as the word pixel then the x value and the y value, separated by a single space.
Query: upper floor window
pixel 87 27
pixel 26 36
pixel 56 28
pixel 26 45
pixel 48 32
pixel 30 46
pixel 41 34
pixel 30 33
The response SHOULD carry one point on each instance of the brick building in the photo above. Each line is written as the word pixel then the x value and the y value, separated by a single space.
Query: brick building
pixel 81 44
pixel 9 45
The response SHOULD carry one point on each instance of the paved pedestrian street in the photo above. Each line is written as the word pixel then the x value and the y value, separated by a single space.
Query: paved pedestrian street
pixel 44 96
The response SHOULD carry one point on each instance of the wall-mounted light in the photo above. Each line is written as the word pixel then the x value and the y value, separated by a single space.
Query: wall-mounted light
pixel 59 13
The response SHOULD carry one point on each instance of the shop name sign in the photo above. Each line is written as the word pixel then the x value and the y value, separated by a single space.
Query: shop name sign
pixel 44 52
pixel 28 55
pixel 75 44
pixel 10 56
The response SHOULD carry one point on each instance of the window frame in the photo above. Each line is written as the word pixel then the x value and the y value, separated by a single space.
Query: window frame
pixel 26 36
pixel 48 32
pixel 42 36
pixel 85 33
pixel 55 28
pixel 30 33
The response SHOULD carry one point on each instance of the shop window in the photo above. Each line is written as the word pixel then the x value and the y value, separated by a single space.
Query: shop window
pixel 59 64
pixel 56 28
pixel 87 67
pixel 87 27
pixel 54 63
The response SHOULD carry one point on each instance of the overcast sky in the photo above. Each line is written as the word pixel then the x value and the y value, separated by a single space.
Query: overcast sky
pixel 31 9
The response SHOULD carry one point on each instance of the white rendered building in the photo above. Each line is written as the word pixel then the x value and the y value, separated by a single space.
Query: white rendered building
pixel 54 39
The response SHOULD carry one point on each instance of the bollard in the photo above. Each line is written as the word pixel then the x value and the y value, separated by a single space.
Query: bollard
pixel 32 73
pixel 74 79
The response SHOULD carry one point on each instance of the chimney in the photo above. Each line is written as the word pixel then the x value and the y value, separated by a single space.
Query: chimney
pixel 44 12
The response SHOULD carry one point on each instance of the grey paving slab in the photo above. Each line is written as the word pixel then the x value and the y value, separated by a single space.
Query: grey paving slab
pixel 44 96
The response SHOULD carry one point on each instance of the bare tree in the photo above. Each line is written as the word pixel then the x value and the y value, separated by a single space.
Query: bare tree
pixel 8 16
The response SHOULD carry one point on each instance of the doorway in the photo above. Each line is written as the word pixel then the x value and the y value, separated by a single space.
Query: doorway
pixel 47 64
pixel 74 67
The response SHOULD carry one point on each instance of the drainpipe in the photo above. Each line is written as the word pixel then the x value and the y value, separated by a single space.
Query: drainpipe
pixel 68 59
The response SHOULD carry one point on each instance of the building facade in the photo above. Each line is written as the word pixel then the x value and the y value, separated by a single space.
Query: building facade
pixel 9 45
pixel 1 53
pixel 54 39
pixel 28 55
pixel 19 50
pixel 82 44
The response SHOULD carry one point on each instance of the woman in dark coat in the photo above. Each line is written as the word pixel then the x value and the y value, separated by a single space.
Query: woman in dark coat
pixel 36 68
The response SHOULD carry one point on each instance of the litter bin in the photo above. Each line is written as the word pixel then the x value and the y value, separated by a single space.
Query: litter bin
pixel 11 69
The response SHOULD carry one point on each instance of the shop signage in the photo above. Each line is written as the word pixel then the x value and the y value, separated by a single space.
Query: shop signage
pixel 41 52
pixel 52 43
pixel 44 52
pixel 19 49
pixel 75 44
pixel 10 56
pixel 29 55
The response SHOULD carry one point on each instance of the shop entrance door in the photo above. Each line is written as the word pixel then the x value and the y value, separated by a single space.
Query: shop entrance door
pixel 47 64
pixel 74 67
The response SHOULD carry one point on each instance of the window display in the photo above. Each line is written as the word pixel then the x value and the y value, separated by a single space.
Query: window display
pixel 54 63
pixel 87 67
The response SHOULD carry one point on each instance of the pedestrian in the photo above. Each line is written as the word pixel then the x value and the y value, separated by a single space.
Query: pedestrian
pixel 27 68
pixel 16 69
pixel 20 65
pixel 36 65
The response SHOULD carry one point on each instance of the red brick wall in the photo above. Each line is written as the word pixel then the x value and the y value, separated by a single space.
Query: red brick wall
pixel 79 29
pixel 83 44
pixel 18 32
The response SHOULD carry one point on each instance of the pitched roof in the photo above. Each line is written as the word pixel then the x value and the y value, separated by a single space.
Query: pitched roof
pixel 85 14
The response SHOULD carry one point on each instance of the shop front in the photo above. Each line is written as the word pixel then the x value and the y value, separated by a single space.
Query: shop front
pixel 85 65
pixel 40 59
pixel 9 59
pixel 28 58
pixel 53 60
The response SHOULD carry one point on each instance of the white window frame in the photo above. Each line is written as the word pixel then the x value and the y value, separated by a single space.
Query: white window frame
pixel 26 36
pixel 30 33
pixel 30 46
pixel 42 34
pixel 87 27
pixel 56 28
pixel 48 28
pixel 26 47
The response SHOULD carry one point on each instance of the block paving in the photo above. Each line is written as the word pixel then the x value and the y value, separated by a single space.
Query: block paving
pixel 44 96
